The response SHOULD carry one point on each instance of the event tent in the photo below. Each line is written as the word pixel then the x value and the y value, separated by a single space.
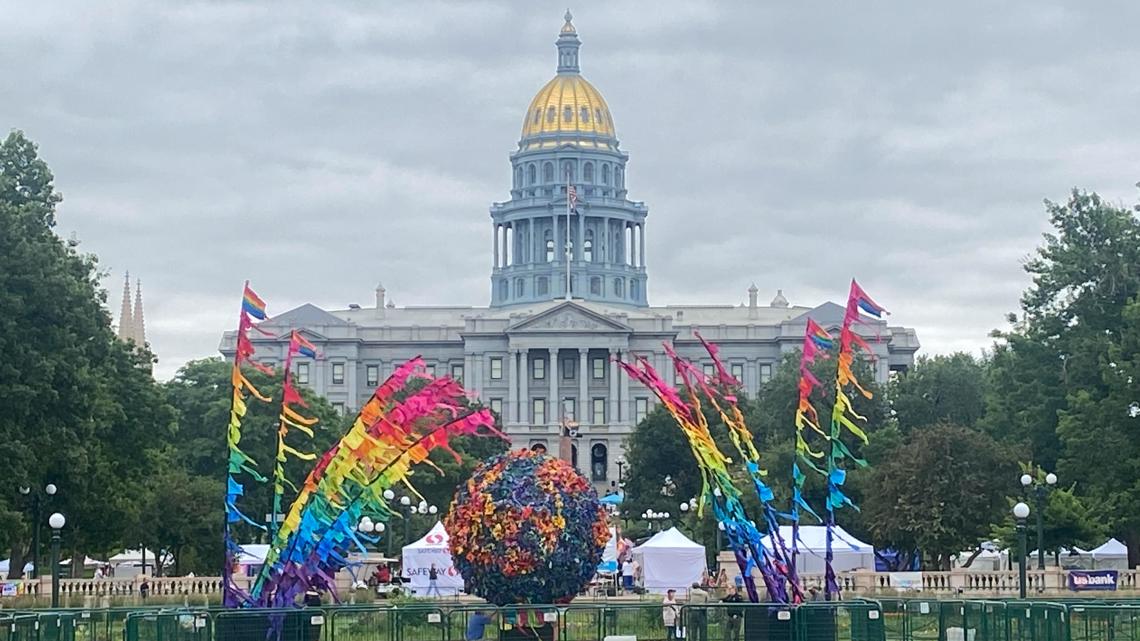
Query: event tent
pixel 1112 555
pixel 670 560
pixel 418 558
pixel 6 565
pixel 848 552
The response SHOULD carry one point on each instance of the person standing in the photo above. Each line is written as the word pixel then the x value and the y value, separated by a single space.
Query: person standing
pixel 476 625
pixel 433 578
pixel 697 621
pixel 734 614
pixel 670 614
pixel 627 574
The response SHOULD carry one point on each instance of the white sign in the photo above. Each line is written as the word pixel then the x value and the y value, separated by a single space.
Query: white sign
pixel 433 617
pixel 550 617
pixel 419 557
pixel 906 580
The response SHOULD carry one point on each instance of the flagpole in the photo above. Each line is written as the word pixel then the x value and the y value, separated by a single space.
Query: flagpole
pixel 568 249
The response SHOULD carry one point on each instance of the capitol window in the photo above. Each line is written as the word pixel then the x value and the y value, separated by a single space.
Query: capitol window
pixel 585 114
pixel 457 371
pixel 497 406
pixel 568 171
pixel 617 177
pixel 520 287
pixel 641 409
pixel 549 251
pixel 596 285
pixel 338 373
pixel 303 373
pixel 543 285
pixel 550 113
pixel 598 116
pixel 599 412
pixel 538 411
pixel 567 113
pixel 599 365
pixel 503 289
pixel 372 375
pixel 538 115
pixel 605 174
pixel 765 373
pixel 548 171
pixel 588 172
pixel 619 287
pixel 531 174
pixel 539 368
pixel 708 369
pixel 598 462
pixel 496 368
pixel 588 248
pixel 737 371
pixel 519 177
pixel 635 289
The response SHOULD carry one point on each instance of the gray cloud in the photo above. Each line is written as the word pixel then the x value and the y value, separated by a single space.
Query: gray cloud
pixel 319 149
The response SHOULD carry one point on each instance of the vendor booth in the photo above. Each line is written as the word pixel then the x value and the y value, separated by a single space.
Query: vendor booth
pixel 670 560
pixel 418 558
pixel 848 552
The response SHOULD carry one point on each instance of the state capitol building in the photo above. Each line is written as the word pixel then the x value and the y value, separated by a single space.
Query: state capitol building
pixel 536 355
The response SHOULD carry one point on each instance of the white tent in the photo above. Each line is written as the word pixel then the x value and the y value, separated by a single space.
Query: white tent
pixel 848 552
pixel 670 560
pixel 128 563
pixel 1112 555
pixel 6 565
pixel 431 550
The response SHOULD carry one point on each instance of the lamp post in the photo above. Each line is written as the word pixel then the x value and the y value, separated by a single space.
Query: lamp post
pixel 1039 491
pixel 406 510
pixel 389 496
pixel 1020 514
pixel 621 466
pixel 689 506
pixel 37 513
pixel 56 521
pixel 654 517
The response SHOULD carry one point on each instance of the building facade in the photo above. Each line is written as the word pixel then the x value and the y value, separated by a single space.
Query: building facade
pixel 538 355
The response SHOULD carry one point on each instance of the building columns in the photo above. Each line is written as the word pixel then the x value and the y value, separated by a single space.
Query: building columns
pixel 553 403
pixel 524 393
pixel 625 405
pixel 615 371
pixel 512 394
pixel 641 245
pixel 583 391
pixel 496 251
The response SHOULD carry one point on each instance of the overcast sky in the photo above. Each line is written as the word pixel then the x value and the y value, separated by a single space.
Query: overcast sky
pixel 319 148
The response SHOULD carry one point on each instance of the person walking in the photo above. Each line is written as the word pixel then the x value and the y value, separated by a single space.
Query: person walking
pixel 433 579
pixel 697 622
pixel 627 574
pixel 670 614
pixel 734 614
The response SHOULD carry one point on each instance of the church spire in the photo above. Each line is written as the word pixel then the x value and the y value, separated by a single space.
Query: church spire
pixel 126 324
pixel 139 325
pixel 568 45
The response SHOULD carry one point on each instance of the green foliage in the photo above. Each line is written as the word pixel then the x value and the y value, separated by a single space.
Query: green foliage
pixel 939 492
pixel 940 389
pixel 1069 522
pixel 80 408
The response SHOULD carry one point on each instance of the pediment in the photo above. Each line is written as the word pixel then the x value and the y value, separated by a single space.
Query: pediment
pixel 303 316
pixel 569 317
pixel 830 317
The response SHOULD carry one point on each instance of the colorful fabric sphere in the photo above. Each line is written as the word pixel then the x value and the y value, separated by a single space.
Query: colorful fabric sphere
pixel 526 528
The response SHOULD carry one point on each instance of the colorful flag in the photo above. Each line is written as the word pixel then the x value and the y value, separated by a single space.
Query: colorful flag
pixel 252 304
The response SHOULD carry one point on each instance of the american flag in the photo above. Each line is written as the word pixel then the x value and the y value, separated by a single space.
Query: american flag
pixel 572 194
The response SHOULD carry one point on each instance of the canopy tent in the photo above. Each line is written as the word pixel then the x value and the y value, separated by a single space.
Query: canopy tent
pixel 128 563
pixel 991 558
pixel 88 562
pixel 432 549
pixel 848 552
pixel 6 565
pixel 670 560
pixel 1111 555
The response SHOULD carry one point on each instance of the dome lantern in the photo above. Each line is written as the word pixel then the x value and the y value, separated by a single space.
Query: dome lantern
pixel 568 45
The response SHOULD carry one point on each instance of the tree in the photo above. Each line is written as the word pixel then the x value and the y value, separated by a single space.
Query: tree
pixel 1068 523
pixel 79 406
pixel 939 389
pixel 1063 376
pixel 939 492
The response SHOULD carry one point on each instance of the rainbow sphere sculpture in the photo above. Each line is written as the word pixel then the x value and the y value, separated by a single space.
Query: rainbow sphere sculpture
pixel 526 528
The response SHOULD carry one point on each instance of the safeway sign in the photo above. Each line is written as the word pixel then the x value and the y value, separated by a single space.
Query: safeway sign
pixel 419 557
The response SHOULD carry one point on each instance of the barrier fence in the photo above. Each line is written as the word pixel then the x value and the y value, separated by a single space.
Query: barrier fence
pixel 857 620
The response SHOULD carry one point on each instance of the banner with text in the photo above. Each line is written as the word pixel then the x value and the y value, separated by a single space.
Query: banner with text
pixel 1081 580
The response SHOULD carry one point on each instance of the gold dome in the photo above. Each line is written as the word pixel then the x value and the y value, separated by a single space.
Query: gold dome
pixel 568 104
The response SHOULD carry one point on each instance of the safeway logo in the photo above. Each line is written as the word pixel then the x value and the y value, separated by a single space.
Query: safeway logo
pixel 435 539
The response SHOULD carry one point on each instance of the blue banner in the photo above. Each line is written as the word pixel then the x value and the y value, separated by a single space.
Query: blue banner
pixel 1081 580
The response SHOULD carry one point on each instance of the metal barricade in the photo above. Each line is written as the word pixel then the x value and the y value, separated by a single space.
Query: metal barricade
pixel 375 623
pixel 168 625
pixel 417 623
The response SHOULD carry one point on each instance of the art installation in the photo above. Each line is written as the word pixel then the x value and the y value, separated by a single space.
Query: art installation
pixel 744 538
pixel 526 528
pixel 777 566
pixel 387 438
pixel 290 419
pixel 817 343
pixel 843 417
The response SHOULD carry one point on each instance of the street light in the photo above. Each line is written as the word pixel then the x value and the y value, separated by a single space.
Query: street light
pixel 621 463
pixel 687 506
pixel 654 517
pixel 56 521
pixel 1020 513
pixel 1039 492
pixel 37 513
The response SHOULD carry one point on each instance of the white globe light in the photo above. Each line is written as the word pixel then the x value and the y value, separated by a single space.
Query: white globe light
pixel 684 507
pixel 24 489
pixel 645 514
pixel 57 521
pixel 423 505
pixel 379 527
pixel 665 515
pixel 1021 511
pixel 693 502
pixel 1051 478
pixel 433 509
pixel 720 524
pixel 50 489
pixel 1026 480
pixel 389 495
pixel 405 501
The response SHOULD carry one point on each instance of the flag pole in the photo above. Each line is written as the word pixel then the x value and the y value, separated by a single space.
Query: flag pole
pixel 569 251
